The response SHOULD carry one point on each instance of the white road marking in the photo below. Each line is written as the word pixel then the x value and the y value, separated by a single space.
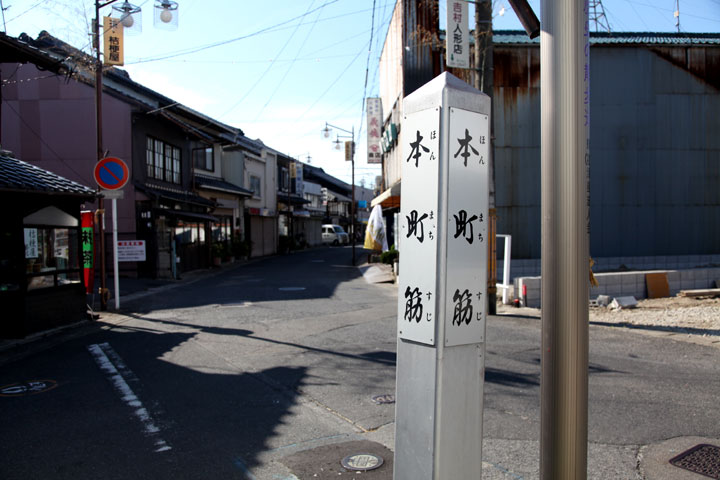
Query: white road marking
pixel 119 374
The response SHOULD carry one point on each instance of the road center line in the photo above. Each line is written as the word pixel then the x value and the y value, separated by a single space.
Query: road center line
pixel 117 373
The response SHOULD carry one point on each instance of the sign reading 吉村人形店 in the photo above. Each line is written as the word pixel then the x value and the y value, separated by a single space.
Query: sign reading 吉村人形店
pixel 131 250
pixel 457 41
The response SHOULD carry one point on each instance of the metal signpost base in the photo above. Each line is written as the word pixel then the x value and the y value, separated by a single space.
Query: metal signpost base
pixel 442 300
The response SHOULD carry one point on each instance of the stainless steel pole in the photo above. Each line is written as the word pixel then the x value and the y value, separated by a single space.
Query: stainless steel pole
pixel 564 77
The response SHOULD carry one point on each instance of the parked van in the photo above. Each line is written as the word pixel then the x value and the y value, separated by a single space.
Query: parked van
pixel 335 235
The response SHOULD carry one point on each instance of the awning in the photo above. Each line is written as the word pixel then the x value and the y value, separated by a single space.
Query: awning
pixel 291 199
pixel 390 198
pixel 187 215
pixel 175 195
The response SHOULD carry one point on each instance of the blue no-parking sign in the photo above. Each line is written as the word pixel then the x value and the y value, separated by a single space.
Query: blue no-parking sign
pixel 111 173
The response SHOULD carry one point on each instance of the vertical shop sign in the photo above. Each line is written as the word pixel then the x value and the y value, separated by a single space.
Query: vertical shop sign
pixel 374 130
pixel 113 34
pixel 457 40
pixel 88 254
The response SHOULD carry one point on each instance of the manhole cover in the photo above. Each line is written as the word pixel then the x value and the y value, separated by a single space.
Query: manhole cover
pixel 703 459
pixel 362 462
pixel 384 399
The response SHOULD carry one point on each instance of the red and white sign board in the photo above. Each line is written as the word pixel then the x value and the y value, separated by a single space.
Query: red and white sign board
pixel 131 250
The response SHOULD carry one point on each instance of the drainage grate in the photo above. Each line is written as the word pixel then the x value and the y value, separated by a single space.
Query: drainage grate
pixel 703 459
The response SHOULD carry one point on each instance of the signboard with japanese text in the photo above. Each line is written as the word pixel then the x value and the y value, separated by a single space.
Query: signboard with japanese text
pixel 417 305
pixel 457 40
pixel 467 227
pixel 31 243
pixel 131 250
pixel 374 130
pixel 113 41
pixel 88 245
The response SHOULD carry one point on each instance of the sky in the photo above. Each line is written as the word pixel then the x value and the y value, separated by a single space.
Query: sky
pixel 281 70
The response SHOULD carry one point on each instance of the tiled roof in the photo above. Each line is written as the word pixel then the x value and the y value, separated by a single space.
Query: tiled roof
pixel 16 175
pixel 212 183
pixel 519 37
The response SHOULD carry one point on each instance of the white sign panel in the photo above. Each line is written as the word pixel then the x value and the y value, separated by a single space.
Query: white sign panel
pixel 374 130
pixel 467 227
pixel 131 250
pixel 31 243
pixel 457 39
pixel 417 305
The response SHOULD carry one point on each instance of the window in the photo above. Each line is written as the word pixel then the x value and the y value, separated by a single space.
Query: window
pixel 284 180
pixel 162 160
pixel 255 186
pixel 51 256
pixel 203 158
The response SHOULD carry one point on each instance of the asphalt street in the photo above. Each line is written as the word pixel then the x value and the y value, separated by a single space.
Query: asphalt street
pixel 268 370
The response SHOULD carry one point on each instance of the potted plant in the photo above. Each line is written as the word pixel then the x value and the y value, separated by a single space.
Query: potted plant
pixel 218 251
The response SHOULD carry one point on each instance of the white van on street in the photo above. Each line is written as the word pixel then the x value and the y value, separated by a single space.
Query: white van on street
pixel 334 235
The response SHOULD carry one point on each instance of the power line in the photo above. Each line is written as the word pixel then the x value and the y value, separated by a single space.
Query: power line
pixel 287 72
pixel 367 69
pixel 39 137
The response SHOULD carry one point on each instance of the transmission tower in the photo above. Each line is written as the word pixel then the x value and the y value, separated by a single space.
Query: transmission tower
pixel 597 15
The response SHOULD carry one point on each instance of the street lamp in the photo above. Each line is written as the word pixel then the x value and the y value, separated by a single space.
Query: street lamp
pixel 131 20
pixel 326 133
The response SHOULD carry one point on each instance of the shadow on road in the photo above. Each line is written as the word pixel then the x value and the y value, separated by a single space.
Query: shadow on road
pixel 214 419
pixel 305 275
pixel 381 357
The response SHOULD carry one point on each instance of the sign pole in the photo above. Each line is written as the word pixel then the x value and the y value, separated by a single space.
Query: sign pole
pixel 115 255
pixel 443 288
pixel 565 120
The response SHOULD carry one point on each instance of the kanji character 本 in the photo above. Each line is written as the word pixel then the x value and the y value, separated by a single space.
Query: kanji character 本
pixel 461 223
pixel 415 148
pixel 413 222
pixel 463 307
pixel 413 305
pixel 464 146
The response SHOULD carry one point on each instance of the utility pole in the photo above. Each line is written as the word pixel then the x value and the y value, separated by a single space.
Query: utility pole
pixel 565 156
pixel 100 155
pixel 484 82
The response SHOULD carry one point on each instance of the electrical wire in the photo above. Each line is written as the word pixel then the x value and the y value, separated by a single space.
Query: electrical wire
pixel 26 11
pixel 367 70
pixel 282 80
pixel 39 137
pixel 232 40
pixel 272 63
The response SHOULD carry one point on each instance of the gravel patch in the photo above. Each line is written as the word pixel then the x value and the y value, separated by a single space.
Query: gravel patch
pixel 695 316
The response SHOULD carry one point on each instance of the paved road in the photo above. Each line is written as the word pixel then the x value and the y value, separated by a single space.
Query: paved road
pixel 267 370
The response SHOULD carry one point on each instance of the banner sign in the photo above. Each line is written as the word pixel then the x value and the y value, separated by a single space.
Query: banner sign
pixel 374 130
pixel 88 253
pixel 457 39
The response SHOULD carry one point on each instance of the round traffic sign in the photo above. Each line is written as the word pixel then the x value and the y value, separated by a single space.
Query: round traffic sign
pixel 111 173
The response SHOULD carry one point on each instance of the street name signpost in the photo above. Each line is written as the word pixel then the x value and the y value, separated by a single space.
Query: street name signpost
pixel 442 302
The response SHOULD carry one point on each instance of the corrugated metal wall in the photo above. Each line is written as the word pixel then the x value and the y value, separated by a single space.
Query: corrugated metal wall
pixel 655 152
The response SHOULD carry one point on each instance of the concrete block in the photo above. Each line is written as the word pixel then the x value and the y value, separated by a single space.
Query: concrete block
pixel 673 276
pixel 705 260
